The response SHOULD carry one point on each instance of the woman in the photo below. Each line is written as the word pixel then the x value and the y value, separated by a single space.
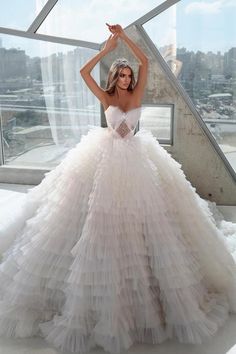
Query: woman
pixel 115 246
pixel 120 91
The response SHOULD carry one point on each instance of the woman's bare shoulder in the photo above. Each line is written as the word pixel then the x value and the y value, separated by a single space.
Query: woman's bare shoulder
pixel 107 100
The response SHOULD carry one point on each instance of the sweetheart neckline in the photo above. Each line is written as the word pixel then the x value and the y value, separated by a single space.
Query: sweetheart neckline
pixel 132 109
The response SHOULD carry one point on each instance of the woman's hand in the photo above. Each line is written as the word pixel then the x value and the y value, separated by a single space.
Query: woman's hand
pixel 116 29
pixel 111 43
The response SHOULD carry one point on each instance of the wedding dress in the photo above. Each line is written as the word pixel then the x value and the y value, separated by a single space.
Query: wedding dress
pixel 115 247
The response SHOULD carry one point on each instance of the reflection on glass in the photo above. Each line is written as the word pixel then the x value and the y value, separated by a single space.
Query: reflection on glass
pixel 224 132
pixel 158 119
pixel 45 106
pixel 197 40
pixel 86 20
pixel 19 14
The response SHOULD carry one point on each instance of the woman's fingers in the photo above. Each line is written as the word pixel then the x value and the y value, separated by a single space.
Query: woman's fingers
pixel 114 28
pixel 114 37
pixel 110 27
pixel 111 42
pixel 109 38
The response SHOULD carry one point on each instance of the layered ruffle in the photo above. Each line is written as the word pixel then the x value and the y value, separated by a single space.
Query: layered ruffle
pixel 115 247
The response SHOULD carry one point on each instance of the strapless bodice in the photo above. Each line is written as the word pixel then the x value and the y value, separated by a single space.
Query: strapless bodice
pixel 119 121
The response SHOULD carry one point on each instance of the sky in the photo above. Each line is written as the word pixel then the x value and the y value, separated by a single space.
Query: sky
pixel 207 25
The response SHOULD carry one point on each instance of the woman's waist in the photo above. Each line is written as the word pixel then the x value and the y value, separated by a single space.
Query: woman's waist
pixel 115 134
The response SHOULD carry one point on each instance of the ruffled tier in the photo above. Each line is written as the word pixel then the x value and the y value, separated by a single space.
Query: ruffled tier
pixel 109 254
pixel 195 219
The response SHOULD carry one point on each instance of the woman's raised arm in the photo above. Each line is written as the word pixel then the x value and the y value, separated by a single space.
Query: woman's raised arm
pixel 139 54
pixel 85 71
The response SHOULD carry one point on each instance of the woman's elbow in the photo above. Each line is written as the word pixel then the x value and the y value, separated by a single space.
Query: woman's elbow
pixel 83 73
pixel 145 60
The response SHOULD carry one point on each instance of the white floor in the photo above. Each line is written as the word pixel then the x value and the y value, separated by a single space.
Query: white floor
pixel 224 342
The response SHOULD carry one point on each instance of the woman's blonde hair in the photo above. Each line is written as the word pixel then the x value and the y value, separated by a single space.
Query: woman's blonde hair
pixel 117 66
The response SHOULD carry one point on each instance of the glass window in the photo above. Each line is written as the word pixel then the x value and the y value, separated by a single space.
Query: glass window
pixel 86 20
pixel 197 40
pixel 19 14
pixel 45 105
pixel 159 120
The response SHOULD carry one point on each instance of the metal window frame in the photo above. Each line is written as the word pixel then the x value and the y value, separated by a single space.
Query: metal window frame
pixel 177 85
pixel 1 142
pixel 47 8
pixel 153 13
pixel 47 38
pixel 169 141
pixel 31 33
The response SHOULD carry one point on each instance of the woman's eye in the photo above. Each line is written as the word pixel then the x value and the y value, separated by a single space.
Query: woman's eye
pixel 123 75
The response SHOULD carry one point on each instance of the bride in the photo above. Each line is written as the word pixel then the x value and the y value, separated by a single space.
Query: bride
pixel 115 246
pixel 121 90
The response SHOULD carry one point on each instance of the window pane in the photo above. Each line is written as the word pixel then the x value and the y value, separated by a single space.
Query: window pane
pixel 45 106
pixel 86 21
pixel 197 40
pixel 158 119
pixel 19 14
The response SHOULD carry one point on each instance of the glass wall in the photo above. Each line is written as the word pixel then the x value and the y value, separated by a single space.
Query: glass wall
pixel 70 18
pixel 159 120
pixel 197 40
pixel 19 14
pixel 45 106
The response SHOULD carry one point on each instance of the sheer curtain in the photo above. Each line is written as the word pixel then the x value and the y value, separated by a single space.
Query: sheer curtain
pixel 71 107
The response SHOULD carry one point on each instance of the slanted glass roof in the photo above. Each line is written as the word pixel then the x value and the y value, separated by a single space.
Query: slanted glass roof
pixel 197 40
pixel 84 20
pixel 19 14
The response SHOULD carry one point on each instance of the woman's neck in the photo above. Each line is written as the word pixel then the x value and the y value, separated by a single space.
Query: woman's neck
pixel 121 93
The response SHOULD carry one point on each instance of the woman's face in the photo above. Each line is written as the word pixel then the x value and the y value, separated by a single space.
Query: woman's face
pixel 124 79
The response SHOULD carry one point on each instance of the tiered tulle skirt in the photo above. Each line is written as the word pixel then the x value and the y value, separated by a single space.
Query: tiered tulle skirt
pixel 115 247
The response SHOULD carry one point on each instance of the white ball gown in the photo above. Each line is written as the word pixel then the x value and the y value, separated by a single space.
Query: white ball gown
pixel 115 247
